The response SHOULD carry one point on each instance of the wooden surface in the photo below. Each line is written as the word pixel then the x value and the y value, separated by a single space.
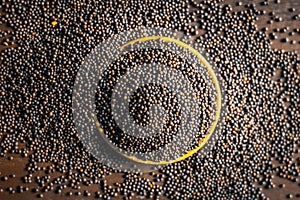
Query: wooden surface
pixel 17 165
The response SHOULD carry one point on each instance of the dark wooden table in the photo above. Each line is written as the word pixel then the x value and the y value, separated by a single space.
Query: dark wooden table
pixel 282 9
